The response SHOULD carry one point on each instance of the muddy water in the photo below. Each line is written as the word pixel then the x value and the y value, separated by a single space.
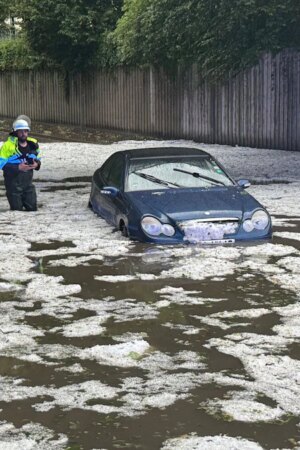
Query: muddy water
pixel 144 352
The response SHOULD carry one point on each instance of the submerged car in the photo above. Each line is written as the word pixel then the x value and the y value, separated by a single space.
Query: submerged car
pixel 174 195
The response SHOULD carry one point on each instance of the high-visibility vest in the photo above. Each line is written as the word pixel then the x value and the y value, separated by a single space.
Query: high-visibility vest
pixel 10 153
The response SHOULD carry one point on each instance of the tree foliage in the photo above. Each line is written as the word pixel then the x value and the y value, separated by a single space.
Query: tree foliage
pixel 69 32
pixel 222 36
pixel 15 54
pixel 7 10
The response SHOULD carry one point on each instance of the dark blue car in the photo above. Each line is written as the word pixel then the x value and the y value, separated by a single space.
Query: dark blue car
pixel 172 195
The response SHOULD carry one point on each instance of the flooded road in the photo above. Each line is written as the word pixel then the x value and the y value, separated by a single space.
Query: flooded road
pixel 106 343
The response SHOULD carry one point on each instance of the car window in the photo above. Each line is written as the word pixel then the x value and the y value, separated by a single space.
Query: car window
pixel 175 172
pixel 98 177
pixel 115 175
pixel 106 169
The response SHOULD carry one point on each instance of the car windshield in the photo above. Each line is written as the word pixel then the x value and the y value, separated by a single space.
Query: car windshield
pixel 174 173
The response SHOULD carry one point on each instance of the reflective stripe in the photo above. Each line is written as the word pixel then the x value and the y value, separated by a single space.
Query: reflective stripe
pixel 33 156
pixel 3 161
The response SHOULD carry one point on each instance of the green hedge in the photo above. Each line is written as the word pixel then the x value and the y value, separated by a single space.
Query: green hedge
pixel 15 54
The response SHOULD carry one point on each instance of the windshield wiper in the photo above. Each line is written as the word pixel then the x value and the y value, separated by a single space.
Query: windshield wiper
pixel 155 180
pixel 198 175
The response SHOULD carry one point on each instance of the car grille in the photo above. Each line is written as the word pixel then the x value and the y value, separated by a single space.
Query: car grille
pixel 208 229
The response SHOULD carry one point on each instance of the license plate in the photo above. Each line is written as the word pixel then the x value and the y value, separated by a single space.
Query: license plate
pixel 217 241
pixel 208 232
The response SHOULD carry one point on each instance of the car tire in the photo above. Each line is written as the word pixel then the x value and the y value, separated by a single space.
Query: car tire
pixel 123 229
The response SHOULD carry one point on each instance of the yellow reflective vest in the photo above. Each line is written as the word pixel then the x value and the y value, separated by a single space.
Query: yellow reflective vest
pixel 10 153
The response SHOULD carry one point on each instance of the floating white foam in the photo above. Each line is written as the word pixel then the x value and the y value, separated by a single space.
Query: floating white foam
pixel 290 316
pixel 288 280
pixel 268 250
pixel 200 269
pixel 193 442
pixel 243 313
pixel 122 355
pixel 219 319
pixel 129 337
pixel 291 263
pixel 77 396
pixel 75 368
pixel 90 326
pixel 159 390
pixel 277 199
pixel 8 287
pixel 46 288
pixel 286 235
pixel 244 410
pixel 180 296
pixel 31 436
pixel 268 369
pixel 115 278
pixel 284 223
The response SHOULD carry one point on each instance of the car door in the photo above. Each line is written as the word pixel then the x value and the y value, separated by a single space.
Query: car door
pixel 99 181
pixel 112 176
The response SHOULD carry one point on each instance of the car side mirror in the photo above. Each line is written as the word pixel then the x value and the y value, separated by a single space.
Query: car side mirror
pixel 110 191
pixel 244 184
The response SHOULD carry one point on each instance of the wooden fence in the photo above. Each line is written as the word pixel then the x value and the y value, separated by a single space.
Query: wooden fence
pixel 259 107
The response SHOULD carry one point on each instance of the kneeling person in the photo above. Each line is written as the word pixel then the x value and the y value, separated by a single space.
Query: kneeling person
pixel 19 156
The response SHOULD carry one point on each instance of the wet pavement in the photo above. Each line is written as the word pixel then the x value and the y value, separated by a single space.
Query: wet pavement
pixel 106 343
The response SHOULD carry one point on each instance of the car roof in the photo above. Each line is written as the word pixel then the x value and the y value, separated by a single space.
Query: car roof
pixel 162 151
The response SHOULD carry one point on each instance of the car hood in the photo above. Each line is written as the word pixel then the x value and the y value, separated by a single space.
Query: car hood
pixel 190 204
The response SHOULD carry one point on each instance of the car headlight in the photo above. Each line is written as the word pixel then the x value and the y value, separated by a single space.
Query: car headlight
pixel 248 225
pixel 168 230
pixel 153 227
pixel 258 221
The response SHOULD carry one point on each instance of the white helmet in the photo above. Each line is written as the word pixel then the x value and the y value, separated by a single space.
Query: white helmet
pixel 23 117
pixel 20 124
